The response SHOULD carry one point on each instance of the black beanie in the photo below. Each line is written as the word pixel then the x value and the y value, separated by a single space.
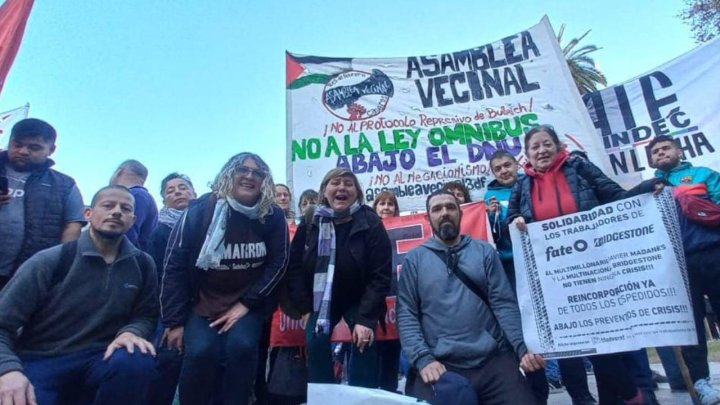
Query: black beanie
pixel 33 127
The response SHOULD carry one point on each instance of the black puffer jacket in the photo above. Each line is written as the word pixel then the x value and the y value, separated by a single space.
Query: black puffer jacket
pixel 590 188
pixel 369 248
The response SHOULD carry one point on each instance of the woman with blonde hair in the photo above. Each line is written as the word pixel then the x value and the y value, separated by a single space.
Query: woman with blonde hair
pixel 225 257
pixel 341 268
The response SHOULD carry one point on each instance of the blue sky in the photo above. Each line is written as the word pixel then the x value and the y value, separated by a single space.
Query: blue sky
pixel 182 86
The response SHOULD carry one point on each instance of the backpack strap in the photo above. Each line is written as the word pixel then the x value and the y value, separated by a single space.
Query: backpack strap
pixel 67 257
pixel 464 278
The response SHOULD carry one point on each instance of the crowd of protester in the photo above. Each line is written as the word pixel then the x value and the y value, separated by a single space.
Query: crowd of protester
pixel 119 303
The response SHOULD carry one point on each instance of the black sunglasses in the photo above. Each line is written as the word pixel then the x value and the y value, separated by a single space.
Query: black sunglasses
pixel 244 171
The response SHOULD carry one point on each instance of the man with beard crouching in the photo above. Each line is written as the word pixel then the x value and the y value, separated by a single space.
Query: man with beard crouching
pixel 75 319
pixel 482 341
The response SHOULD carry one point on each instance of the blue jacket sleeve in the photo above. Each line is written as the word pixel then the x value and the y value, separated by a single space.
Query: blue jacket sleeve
pixel 713 185
pixel 514 205
pixel 277 241
pixel 145 218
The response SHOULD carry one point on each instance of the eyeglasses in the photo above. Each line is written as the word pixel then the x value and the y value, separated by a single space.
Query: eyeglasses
pixel 245 171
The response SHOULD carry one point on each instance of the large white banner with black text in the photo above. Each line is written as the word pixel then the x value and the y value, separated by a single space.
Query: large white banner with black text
pixel 680 98
pixel 607 280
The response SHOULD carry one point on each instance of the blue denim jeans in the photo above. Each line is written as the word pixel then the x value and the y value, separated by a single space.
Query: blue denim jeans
pixel 168 363
pixel 84 377
pixel 206 351
pixel 552 370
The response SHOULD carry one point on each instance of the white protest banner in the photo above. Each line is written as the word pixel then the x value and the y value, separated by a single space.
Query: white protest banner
pixel 412 124
pixel 322 394
pixel 9 118
pixel 607 280
pixel 680 98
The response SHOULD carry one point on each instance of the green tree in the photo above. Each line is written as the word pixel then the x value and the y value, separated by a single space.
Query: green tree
pixel 582 67
pixel 703 17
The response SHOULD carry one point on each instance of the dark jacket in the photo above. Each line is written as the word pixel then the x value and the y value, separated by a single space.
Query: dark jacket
pixel 182 279
pixel 146 217
pixel 84 309
pixel 590 188
pixel 157 246
pixel 46 193
pixel 370 249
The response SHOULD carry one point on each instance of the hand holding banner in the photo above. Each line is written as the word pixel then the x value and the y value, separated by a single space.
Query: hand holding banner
pixel 607 280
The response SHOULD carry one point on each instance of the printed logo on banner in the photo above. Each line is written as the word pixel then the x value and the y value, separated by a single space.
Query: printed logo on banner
pixel 356 95
pixel 412 124
pixel 673 100
pixel 598 281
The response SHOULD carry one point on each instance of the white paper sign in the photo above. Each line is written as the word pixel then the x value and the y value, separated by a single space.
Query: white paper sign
pixel 323 394
pixel 607 280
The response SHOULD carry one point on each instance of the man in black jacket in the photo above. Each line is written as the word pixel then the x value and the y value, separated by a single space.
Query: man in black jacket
pixel 84 310
pixel 177 192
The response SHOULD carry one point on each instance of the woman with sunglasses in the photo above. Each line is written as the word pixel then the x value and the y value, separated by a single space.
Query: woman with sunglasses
pixel 226 255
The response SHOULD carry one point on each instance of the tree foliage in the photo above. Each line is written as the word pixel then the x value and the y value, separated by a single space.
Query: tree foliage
pixel 582 67
pixel 703 17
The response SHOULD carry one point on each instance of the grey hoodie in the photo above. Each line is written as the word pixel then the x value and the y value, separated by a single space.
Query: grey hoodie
pixel 439 318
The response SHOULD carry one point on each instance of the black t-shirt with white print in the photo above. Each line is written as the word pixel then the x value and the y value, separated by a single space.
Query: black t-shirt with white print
pixel 245 255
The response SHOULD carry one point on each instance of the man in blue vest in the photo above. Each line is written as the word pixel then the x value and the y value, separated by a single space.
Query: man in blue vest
pixel 42 207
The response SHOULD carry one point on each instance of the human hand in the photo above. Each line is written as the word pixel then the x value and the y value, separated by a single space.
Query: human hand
pixel 5 198
pixel 494 204
pixel 230 316
pixel 519 222
pixel 129 340
pixel 305 318
pixel 659 187
pixel 532 362
pixel 362 336
pixel 15 389
pixel 431 373
pixel 175 338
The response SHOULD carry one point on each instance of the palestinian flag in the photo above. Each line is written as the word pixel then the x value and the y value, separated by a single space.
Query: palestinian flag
pixel 303 70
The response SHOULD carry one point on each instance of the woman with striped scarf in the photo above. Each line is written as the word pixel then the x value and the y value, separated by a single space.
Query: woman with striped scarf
pixel 340 268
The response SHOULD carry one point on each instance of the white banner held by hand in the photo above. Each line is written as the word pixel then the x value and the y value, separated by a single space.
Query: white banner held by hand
pixel 607 280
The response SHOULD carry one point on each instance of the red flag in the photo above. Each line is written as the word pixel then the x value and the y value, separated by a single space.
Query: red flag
pixel 13 17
